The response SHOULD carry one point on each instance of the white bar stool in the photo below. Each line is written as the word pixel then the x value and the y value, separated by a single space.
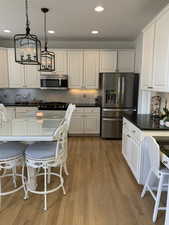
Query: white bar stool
pixel 152 148
pixel 11 156
pixel 47 155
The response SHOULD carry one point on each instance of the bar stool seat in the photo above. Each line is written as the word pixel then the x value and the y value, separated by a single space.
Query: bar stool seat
pixel 11 150
pixel 41 150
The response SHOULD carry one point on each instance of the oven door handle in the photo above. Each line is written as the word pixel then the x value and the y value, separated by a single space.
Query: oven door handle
pixel 112 119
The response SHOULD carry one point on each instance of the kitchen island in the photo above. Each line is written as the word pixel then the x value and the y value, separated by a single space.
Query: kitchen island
pixel 135 128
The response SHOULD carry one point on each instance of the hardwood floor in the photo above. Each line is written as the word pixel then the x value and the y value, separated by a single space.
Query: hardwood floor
pixel 100 191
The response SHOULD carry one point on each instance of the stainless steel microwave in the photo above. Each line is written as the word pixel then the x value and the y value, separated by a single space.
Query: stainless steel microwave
pixel 54 81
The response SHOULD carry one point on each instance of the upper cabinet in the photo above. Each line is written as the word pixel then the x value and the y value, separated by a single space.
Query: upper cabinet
pixel 83 69
pixel 147 57
pixel 91 69
pixel 161 54
pixel 60 61
pixel 75 68
pixel 22 76
pixel 3 68
pixel 108 60
pixel 126 60
pixel 32 76
pixel 16 71
pixel 155 61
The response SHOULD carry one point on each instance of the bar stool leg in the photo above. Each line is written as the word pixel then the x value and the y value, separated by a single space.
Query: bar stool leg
pixel 146 184
pixel 45 188
pixel 157 202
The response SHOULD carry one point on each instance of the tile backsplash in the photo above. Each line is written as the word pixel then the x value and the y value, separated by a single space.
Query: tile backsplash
pixel 29 95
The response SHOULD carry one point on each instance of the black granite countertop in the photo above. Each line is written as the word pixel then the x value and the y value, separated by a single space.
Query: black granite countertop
pixel 146 122
pixel 37 104
pixel 21 104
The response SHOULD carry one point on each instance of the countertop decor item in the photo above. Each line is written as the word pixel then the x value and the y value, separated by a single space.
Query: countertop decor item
pixel 155 106
pixel 27 46
pixel 47 57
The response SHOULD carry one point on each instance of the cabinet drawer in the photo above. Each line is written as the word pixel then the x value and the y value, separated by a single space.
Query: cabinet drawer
pixel 92 109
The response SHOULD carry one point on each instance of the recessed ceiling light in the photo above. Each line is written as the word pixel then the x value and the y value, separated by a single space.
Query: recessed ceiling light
pixel 99 9
pixel 94 31
pixel 51 31
pixel 6 31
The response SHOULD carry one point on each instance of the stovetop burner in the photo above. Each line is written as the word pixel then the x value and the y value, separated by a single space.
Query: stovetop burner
pixel 53 106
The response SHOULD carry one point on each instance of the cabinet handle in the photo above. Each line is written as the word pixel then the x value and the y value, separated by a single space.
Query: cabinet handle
pixel 150 87
pixel 128 136
pixel 134 131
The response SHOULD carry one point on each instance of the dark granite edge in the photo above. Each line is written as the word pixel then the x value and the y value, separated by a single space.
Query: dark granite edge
pixel 132 119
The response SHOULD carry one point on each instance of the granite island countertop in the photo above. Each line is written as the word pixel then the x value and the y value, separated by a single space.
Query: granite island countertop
pixel 146 122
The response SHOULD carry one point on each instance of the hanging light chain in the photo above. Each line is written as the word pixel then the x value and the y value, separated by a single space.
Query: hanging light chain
pixel 46 44
pixel 27 18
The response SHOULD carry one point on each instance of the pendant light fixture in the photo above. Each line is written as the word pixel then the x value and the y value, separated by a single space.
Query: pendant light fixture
pixel 27 46
pixel 47 57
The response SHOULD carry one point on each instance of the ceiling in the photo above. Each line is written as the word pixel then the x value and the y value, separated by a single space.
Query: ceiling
pixel 73 20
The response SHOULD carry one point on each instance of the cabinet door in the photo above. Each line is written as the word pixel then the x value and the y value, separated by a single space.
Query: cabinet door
pixel 134 157
pixel 3 68
pixel 32 76
pixel 161 54
pixel 91 69
pixel 91 125
pixel 108 60
pixel 147 58
pixel 60 61
pixel 77 125
pixel 75 68
pixel 126 60
pixel 16 71
pixel 10 113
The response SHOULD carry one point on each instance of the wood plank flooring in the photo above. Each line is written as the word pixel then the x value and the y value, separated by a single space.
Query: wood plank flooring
pixel 100 191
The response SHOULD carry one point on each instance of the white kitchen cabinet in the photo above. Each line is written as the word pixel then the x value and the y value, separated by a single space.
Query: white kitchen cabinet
pixel 75 68
pixel 22 76
pixel 4 82
pixel 61 61
pixel 161 54
pixel 91 69
pixel 126 60
pixel 22 112
pixel 10 113
pixel 108 60
pixel 147 58
pixel 32 76
pixel 85 120
pixel 16 71
pixel 131 147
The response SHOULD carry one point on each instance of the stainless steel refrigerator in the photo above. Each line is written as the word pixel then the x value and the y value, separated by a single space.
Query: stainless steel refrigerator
pixel 119 95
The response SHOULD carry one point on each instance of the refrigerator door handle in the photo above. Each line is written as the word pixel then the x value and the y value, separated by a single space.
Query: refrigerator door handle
pixel 122 90
pixel 118 90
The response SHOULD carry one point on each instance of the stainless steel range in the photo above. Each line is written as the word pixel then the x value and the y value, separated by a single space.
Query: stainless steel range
pixel 119 95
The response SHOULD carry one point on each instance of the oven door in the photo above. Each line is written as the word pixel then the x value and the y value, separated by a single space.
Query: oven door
pixel 111 128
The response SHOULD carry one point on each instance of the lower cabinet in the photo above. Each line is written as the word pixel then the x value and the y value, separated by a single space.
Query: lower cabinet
pixel 10 113
pixel 22 112
pixel 131 148
pixel 85 120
